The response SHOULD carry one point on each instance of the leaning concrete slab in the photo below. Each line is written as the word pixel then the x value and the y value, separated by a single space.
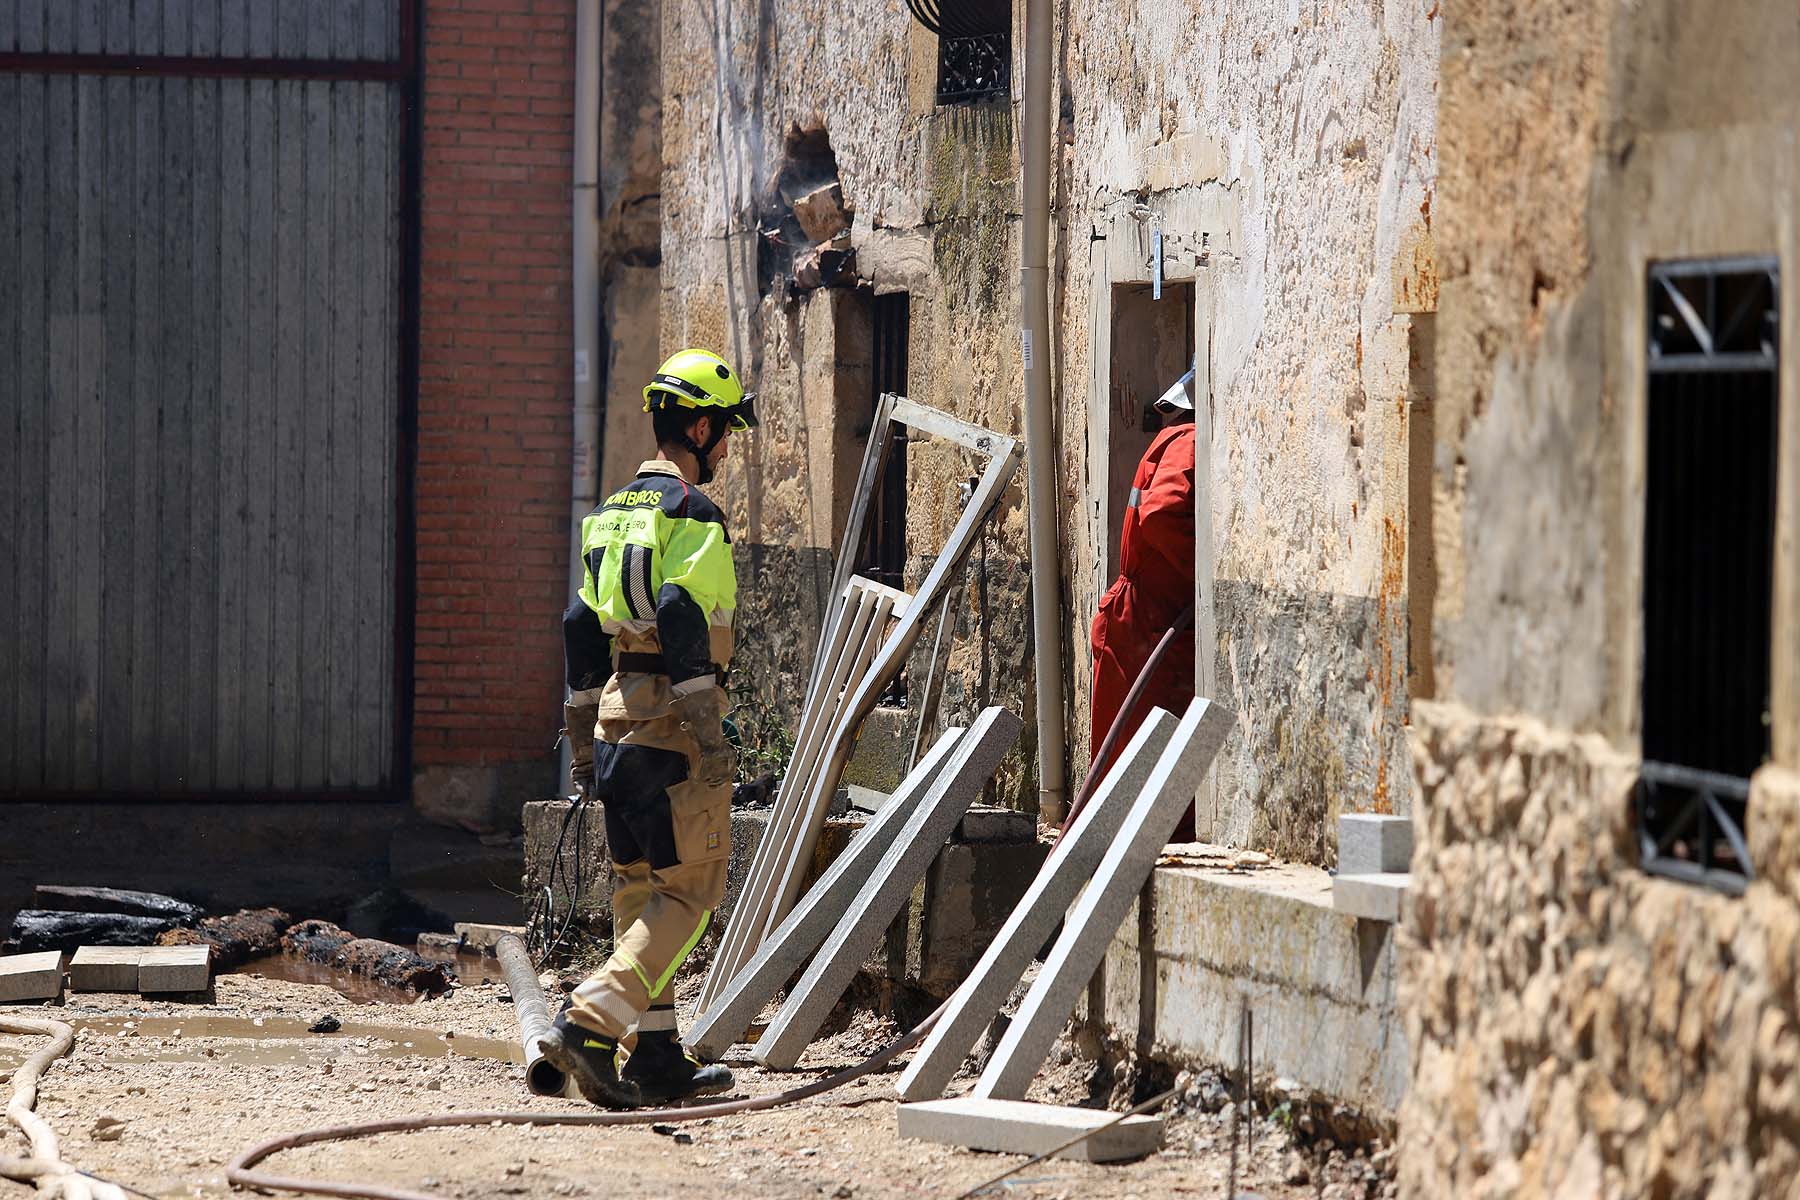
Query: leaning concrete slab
pixel 105 968
pixel 1107 899
pixel 1016 1127
pixel 1372 897
pixel 175 969
pixel 1373 843
pixel 1034 918
pixel 27 977
pixel 800 933
pixel 976 757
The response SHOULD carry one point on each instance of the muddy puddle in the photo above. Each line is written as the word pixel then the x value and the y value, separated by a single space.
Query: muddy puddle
pixel 273 1040
pixel 470 969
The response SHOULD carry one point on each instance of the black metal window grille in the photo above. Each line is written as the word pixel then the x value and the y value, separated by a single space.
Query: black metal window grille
pixel 974 47
pixel 974 68
pixel 1709 533
pixel 883 554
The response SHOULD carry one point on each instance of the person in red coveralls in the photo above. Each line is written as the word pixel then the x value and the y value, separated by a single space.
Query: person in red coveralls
pixel 1155 587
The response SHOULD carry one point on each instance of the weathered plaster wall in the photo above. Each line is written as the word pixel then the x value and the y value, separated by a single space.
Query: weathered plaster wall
pixel 1580 1027
pixel 934 197
pixel 1644 135
pixel 1287 153
pixel 629 203
pixel 1299 143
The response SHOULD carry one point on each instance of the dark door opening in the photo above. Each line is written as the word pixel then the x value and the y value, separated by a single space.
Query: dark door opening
pixel 1152 347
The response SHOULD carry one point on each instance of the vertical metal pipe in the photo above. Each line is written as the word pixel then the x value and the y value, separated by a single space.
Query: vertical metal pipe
pixel 584 483
pixel 1040 436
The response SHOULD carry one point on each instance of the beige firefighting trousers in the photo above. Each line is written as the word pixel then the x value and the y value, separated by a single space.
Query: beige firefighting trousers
pixel 669 837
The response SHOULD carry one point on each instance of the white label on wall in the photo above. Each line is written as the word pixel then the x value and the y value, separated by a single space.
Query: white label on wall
pixel 581 366
pixel 1025 346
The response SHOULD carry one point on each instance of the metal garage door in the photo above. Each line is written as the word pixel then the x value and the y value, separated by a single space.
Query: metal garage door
pixel 202 393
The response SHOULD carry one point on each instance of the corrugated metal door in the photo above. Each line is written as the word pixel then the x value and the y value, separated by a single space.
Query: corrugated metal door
pixel 202 290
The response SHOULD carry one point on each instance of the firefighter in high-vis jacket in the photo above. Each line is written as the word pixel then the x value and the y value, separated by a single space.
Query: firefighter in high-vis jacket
pixel 646 647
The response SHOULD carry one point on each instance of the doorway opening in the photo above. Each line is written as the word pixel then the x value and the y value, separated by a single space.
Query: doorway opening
pixel 1152 347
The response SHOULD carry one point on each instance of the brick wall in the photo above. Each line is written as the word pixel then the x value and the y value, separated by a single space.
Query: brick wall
pixel 494 380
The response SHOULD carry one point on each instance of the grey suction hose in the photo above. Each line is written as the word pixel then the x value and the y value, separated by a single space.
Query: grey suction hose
pixel 240 1175
pixel 541 1076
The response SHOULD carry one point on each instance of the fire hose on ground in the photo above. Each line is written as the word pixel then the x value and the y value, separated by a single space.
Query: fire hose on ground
pixel 45 1167
pixel 543 1079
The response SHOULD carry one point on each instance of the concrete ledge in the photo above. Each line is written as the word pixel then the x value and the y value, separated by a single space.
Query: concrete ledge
pixel 1371 897
pixel 1018 1127
pixel 1321 983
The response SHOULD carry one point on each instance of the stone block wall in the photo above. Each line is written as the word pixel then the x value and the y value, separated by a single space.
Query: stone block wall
pixel 1270 141
pixel 1581 1028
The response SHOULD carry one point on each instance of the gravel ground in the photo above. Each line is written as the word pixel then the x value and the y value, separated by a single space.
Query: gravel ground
pixel 160 1095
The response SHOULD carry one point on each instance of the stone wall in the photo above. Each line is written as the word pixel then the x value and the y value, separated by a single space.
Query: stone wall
pixel 1286 153
pixel 763 103
pixel 1288 159
pixel 1581 1028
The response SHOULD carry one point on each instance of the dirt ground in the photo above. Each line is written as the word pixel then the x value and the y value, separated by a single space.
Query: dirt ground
pixel 191 1084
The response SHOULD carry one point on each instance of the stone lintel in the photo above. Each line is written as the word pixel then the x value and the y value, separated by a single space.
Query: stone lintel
pixel 175 969
pixel 1371 897
pixel 105 968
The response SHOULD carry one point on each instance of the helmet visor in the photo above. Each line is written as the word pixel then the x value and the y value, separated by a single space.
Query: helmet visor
pixel 743 413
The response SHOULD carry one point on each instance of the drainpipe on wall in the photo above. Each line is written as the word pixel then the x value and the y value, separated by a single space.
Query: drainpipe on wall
pixel 1040 443
pixel 584 489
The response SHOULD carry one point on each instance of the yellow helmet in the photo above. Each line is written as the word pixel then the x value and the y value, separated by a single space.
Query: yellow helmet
pixel 701 379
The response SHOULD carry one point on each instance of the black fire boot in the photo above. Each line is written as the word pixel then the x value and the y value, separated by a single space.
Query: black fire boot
pixel 587 1058
pixel 662 1070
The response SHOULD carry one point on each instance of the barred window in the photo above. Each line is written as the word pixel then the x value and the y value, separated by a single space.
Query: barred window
pixel 974 47
pixel 1709 527
pixel 882 556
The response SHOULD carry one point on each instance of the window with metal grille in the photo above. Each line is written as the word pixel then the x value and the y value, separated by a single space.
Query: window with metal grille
pixel 974 47
pixel 1709 527
pixel 883 554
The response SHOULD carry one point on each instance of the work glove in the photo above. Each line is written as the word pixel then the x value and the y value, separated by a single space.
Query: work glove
pixel 702 714
pixel 581 712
